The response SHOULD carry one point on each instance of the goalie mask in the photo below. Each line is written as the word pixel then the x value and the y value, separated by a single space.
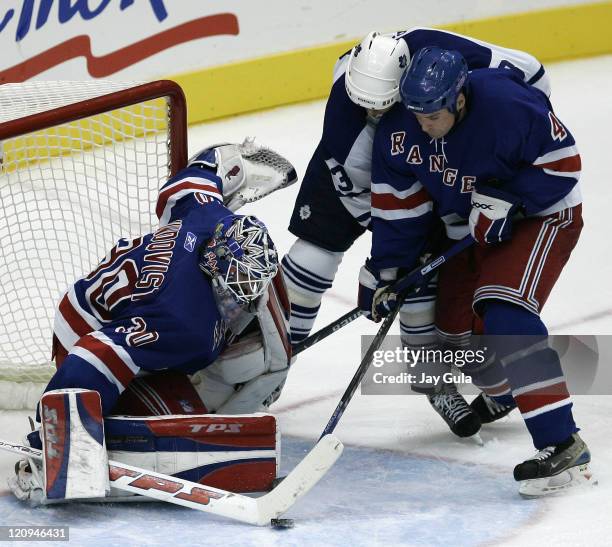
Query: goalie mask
pixel 240 260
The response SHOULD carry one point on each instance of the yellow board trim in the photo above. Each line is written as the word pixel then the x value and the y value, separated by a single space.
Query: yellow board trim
pixel 305 74
pixel 143 120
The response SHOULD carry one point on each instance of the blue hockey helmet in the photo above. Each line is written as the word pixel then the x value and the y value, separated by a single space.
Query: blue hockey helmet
pixel 434 80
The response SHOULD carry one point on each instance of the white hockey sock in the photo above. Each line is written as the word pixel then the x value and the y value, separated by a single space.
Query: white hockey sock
pixel 309 271
pixel 417 316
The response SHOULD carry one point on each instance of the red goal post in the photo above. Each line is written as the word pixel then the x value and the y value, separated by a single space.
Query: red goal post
pixel 81 164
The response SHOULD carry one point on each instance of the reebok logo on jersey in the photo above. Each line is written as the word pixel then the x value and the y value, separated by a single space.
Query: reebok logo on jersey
pixel 190 242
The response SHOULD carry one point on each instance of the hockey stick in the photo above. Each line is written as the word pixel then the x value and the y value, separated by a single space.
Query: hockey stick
pixel 259 511
pixel 410 279
pixel 326 331
pixel 403 287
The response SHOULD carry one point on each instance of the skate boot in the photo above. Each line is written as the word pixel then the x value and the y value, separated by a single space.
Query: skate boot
pixel 488 409
pixel 555 468
pixel 27 484
pixel 455 411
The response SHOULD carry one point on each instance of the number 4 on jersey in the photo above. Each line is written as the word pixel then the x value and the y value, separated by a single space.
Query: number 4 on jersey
pixel 557 130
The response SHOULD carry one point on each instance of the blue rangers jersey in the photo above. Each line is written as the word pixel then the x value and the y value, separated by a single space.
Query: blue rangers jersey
pixel 509 135
pixel 345 149
pixel 147 305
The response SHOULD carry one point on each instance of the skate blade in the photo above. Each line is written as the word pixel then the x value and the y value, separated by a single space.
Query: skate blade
pixel 574 479
pixel 477 439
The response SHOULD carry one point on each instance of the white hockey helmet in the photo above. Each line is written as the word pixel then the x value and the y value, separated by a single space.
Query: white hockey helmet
pixel 374 69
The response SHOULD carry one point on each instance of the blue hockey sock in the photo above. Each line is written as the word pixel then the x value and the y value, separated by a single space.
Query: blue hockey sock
pixel 533 371
pixel 504 318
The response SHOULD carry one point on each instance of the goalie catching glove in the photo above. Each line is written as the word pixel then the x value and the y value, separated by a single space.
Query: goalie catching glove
pixel 248 171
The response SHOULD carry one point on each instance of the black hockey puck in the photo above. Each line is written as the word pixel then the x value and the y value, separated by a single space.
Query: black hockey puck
pixel 282 523
pixel 277 481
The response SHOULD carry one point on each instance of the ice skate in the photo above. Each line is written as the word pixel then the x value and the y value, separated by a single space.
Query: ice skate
pixel 488 409
pixel 450 404
pixel 555 469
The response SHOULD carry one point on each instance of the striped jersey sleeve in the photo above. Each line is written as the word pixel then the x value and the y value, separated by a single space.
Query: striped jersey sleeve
pixel 548 180
pixel 190 186
pixel 402 215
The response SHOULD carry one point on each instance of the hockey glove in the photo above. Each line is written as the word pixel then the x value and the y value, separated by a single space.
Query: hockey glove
pixel 491 215
pixel 374 299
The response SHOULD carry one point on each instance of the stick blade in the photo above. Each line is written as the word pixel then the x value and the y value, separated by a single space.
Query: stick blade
pixel 297 483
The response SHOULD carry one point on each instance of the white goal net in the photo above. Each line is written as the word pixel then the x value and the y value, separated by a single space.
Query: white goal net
pixel 81 164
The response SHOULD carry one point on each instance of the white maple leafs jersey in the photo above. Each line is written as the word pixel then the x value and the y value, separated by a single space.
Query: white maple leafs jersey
pixel 348 131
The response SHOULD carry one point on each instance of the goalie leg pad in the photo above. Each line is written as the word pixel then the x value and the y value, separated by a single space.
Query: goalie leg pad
pixel 75 463
pixel 235 453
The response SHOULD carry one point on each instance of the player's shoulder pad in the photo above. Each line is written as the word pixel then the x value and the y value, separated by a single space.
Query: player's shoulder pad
pixel 344 121
pixel 501 94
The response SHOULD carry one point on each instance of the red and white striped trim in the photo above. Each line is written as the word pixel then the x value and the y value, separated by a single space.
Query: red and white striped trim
pixel 567 202
pixel 384 188
pixel 72 321
pixel 150 398
pixel 546 408
pixel 525 294
pixel 175 191
pixel 108 358
pixel 537 386
pixel 391 204
pixel 564 162
pixel 542 397
pixel 496 390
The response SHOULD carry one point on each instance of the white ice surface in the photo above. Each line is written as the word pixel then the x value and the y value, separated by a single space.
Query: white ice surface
pixel 404 479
